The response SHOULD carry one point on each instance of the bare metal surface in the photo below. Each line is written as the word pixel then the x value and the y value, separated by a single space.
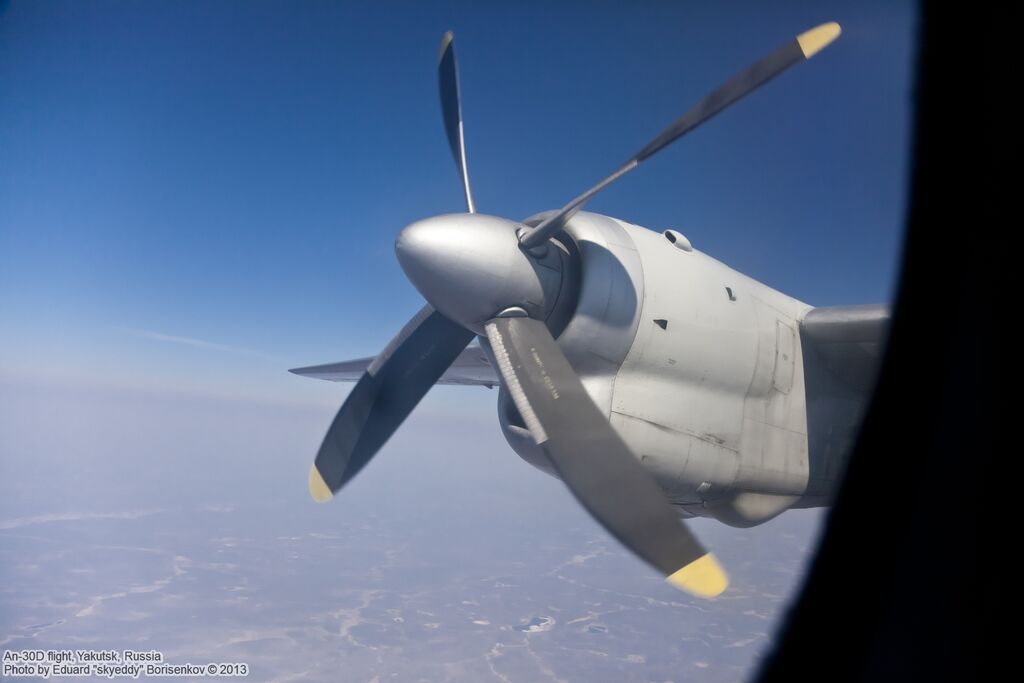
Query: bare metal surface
pixel 470 268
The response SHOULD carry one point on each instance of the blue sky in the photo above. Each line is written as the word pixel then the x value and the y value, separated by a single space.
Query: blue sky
pixel 196 196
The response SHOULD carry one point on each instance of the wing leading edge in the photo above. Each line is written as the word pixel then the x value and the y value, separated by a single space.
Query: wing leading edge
pixel 470 368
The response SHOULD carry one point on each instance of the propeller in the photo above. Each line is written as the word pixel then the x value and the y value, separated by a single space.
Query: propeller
pixel 384 396
pixel 803 47
pixel 487 275
pixel 451 110
pixel 411 363
pixel 592 459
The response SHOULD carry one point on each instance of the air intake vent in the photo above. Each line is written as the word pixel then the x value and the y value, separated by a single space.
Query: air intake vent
pixel 678 240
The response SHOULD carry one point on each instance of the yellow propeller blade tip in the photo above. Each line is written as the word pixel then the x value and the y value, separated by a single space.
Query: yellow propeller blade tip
pixel 317 487
pixel 703 577
pixel 812 42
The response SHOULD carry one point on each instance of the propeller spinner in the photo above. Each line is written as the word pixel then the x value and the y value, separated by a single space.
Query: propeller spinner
pixel 494 277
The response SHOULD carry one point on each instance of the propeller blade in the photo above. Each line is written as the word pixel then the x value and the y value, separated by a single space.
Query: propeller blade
pixel 802 48
pixel 593 460
pixel 451 110
pixel 385 395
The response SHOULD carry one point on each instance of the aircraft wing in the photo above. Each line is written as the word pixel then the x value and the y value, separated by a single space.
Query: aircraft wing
pixel 471 367
pixel 849 340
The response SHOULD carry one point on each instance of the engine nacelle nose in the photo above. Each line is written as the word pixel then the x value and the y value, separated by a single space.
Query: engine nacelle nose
pixel 470 268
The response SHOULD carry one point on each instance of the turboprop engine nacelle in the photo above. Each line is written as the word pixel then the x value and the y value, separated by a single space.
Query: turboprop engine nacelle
pixel 696 365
